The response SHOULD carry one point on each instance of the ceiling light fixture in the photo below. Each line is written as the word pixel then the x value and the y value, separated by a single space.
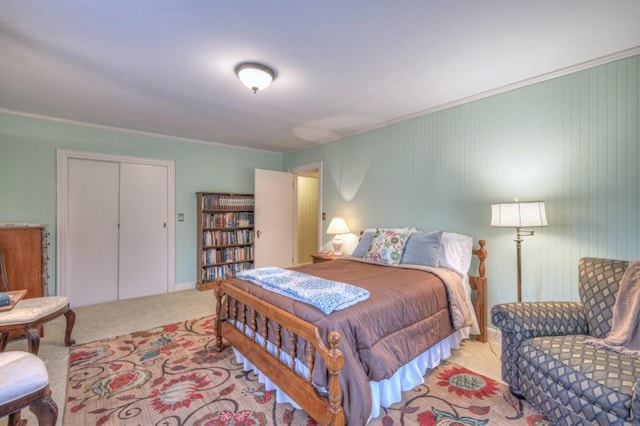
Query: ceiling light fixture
pixel 255 76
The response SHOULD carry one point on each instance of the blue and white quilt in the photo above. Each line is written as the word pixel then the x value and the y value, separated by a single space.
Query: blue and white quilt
pixel 326 295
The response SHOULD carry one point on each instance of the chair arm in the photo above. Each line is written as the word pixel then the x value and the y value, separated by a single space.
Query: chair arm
pixel 524 320
pixel 535 319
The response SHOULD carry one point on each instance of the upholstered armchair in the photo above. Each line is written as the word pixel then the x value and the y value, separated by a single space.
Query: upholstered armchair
pixel 30 314
pixel 546 361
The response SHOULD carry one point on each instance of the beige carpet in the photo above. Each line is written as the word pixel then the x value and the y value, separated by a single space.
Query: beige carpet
pixel 121 317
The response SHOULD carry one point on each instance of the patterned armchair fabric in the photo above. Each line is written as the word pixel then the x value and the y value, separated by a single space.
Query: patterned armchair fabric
pixel 545 359
pixel 599 282
pixel 521 321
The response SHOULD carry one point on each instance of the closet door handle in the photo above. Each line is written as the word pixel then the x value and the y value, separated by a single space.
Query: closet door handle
pixel 258 233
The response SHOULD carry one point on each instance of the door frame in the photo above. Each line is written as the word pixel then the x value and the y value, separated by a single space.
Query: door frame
pixel 296 171
pixel 62 185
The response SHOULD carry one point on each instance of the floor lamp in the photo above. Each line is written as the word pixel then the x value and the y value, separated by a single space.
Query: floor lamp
pixel 519 215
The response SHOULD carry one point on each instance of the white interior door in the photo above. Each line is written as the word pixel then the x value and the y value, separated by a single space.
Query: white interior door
pixel 91 272
pixel 273 218
pixel 143 230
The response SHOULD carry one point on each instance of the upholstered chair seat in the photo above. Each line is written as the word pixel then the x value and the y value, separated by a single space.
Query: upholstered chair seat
pixel 24 382
pixel 32 310
pixel 598 381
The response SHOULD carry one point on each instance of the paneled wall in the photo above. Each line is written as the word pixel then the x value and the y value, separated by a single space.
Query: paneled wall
pixel 28 174
pixel 572 141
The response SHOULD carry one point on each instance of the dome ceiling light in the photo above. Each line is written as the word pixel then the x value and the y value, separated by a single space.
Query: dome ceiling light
pixel 255 76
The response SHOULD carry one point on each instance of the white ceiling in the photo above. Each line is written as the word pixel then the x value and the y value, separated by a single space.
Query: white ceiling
pixel 344 66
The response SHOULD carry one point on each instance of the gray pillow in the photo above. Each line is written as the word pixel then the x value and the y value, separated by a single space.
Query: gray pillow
pixel 363 245
pixel 423 248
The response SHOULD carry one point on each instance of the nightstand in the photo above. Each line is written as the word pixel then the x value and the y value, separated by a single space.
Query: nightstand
pixel 322 257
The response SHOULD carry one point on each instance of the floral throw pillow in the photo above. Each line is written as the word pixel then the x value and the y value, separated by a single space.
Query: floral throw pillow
pixel 387 246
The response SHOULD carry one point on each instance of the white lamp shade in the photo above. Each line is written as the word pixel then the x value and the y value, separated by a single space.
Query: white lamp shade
pixel 255 76
pixel 338 226
pixel 519 215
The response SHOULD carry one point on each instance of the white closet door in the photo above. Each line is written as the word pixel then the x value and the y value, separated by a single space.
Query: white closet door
pixel 143 230
pixel 91 272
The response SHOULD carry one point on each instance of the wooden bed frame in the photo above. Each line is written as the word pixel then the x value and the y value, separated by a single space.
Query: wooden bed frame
pixel 244 308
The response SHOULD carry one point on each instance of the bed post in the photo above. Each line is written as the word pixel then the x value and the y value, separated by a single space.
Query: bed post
pixel 334 365
pixel 482 255
pixel 479 284
pixel 218 345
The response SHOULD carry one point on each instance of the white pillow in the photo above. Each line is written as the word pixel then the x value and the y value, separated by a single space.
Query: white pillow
pixel 456 252
pixel 405 229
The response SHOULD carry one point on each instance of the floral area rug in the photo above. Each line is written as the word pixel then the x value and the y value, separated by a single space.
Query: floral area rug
pixel 171 375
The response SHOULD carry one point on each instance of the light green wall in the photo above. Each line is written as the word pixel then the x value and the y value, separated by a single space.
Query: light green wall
pixel 28 174
pixel 572 141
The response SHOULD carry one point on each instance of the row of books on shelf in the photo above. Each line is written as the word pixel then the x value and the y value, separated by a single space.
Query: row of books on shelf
pixel 225 255
pixel 227 202
pixel 211 273
pixel 227 220
pixel 227 238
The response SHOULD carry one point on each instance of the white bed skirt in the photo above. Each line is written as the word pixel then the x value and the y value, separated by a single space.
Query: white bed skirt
pixel 386 392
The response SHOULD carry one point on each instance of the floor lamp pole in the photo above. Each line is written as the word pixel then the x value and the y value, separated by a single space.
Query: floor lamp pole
pixel 519 234
pixel 518 241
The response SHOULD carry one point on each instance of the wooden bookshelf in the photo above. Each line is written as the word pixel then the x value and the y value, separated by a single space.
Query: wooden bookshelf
pixel 225 236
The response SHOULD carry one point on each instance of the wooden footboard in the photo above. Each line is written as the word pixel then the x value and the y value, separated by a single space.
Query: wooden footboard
pixel 246 310
pixel 252 322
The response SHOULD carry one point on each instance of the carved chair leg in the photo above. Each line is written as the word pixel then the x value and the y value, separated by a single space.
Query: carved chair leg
pixel 14 419
pixel 33 339
pixel 45 410
pixel 4 338
pixel 71 320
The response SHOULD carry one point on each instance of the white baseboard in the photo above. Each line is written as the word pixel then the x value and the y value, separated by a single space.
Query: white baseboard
pixel 494 335
pixel 184 286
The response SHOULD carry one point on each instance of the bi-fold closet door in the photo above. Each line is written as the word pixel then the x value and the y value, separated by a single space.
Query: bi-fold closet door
pixel 116 230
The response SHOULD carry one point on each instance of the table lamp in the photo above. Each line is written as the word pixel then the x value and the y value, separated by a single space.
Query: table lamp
pixel 337 226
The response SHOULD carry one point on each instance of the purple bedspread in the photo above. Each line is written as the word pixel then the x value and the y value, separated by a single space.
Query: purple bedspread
pixel 406 313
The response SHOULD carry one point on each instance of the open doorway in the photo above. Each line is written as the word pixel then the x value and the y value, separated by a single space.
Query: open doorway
pixel 308 211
